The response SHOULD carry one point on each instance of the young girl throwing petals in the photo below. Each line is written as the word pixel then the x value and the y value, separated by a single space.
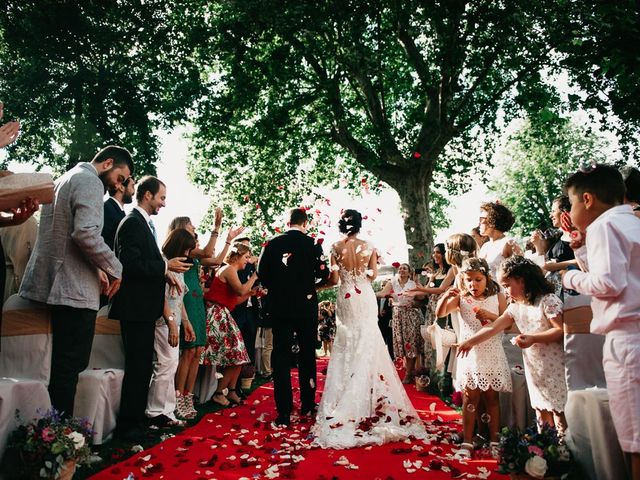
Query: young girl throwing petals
pixel 537 312
pixel 485 371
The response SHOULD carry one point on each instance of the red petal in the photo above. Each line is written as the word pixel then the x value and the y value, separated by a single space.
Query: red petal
pixel 347 295
pixel 319 241
pixel 416 155
pixel 395 264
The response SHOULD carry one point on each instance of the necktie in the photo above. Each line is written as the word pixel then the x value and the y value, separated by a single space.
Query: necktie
pixel 153 229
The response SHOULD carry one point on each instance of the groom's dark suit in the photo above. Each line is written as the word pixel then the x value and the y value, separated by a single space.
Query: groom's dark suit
pixel 138 304
pixel 289 267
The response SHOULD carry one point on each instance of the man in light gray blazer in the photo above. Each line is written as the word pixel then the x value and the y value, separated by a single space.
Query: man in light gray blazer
pixel 71 264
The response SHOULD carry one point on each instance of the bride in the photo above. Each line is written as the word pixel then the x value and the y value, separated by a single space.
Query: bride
pixel 363 402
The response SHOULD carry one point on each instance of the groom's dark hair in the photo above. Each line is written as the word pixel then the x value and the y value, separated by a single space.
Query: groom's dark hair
pixel 298 216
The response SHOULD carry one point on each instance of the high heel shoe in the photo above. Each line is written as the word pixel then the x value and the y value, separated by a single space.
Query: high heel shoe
pixel 220 399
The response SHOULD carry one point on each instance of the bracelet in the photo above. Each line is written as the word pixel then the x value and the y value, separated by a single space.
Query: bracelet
pixel 228 243
pixel 214 233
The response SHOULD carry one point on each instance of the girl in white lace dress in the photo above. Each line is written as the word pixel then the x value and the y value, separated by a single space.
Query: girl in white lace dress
pixel 537 312
pixel 484 372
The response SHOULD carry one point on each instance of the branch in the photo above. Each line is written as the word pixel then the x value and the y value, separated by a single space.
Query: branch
pixel 479 79
pixel 410 47
pixel 496 96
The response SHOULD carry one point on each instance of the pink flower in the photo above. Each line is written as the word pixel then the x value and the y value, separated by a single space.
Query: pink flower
pixel 48 435
pixel 536 450
pixel 456 398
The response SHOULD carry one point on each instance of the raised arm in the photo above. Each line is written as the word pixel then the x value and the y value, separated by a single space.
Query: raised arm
pixel 448 303
pixel 231 277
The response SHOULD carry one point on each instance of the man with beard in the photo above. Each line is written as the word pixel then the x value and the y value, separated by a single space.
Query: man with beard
pixel 119 196
pixel 71 265
pixel 139 304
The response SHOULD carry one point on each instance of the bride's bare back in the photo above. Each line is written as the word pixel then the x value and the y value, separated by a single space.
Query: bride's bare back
pixel 354 256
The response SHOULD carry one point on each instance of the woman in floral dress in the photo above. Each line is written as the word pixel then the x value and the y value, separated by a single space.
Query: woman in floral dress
pixel 225 346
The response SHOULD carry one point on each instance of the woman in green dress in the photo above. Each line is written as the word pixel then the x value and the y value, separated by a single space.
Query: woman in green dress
pixel 194 304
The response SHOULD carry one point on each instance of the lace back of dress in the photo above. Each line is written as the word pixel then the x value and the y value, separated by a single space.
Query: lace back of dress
pixel 352 258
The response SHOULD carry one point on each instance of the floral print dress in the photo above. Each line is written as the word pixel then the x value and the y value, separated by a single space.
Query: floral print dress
pixel 225 346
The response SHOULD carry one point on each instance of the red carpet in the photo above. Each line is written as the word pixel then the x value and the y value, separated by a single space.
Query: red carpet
pixel 240 443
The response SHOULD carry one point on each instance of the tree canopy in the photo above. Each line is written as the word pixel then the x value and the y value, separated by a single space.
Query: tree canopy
pixel 83 74
pixel 286 96
pixel 535 163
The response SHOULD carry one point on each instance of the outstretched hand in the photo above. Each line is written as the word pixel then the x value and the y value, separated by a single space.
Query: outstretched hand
pixel 463 348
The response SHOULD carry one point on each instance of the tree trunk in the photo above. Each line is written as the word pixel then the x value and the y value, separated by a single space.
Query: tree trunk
pixel 413 190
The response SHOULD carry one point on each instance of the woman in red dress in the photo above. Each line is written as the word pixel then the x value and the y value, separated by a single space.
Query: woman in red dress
pixel 225 346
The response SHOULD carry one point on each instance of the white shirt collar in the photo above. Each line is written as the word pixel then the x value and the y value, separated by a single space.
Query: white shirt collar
pixel 144 213
pixel 296 227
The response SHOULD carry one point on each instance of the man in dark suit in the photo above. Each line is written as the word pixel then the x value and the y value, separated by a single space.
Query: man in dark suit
pixel 139 302
pixel 291 266
pixel 119 196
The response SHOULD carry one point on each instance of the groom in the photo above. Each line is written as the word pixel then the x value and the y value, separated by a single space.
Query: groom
pixel 291 266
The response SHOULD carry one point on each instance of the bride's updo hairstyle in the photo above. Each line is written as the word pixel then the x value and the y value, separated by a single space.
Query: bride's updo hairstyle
pixel 350 222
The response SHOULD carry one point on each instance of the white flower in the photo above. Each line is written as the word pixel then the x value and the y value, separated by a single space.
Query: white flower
pixel 77 438
pixel 536 467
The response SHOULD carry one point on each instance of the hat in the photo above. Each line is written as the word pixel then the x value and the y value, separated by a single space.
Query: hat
pixel 441 340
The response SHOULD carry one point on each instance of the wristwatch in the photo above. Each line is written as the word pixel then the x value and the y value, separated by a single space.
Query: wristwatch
pixel 171 318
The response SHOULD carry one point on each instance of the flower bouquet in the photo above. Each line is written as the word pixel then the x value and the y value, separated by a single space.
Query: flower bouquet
pixel 51 446
pixel 533 453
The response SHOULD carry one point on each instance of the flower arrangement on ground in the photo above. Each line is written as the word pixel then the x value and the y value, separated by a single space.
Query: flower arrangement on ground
pixel 534 452
pixel 51 445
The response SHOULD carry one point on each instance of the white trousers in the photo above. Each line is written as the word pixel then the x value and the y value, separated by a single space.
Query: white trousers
pixel 621 360
pixel 162 391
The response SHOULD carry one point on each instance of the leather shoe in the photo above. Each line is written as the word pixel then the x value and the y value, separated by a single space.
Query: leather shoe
pixel 312 410
pixel 282 421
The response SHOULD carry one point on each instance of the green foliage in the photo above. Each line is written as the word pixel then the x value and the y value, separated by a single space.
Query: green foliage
pixel 301 94
pixel 537 160
pixel 81 75
pixel 601 57
pixel 285 97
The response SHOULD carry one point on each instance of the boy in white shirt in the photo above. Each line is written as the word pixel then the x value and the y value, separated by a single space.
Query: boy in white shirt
pixel 612 252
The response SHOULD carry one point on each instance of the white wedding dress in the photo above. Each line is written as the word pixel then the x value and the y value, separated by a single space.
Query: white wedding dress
pixel 363 402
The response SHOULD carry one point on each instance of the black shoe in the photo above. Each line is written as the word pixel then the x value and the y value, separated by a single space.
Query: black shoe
pixel 309 410
pixel 134 434
pixel 159 421
pixel 282 421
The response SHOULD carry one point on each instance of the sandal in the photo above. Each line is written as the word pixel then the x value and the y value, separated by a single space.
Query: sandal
pixel 233 399
pixel 464 452
pixel 220 399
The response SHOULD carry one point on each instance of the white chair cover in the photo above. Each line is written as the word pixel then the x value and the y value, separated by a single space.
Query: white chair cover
pixel 27 396
pixel 591 435
pixel 515 406
pixel 100 385
pixel 26 340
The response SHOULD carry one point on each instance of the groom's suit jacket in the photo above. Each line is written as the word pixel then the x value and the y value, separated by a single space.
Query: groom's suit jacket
pixel 290 267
